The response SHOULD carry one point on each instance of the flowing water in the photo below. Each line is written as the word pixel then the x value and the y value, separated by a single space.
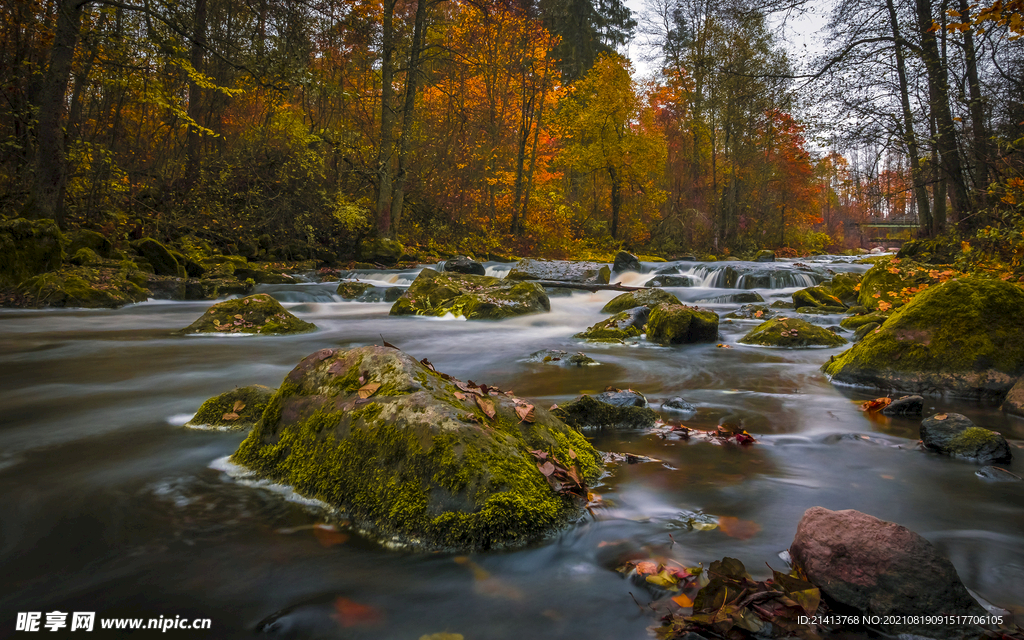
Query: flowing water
pixel 110 505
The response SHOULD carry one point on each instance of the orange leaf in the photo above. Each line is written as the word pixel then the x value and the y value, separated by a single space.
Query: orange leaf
pixel 646 567
pixel 875 405
pixel 368 389
pixel 349 613
pixel 487 406
pixel 328 535
pixel 239 405
pixel 228 417
pixel 460 395
pixel 736 528
pixel 525 413
pixel 683 600
pixel 940 416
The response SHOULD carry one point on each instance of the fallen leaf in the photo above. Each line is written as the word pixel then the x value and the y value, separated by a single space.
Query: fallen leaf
pixel 239 405
pixel 546 468
pixel 239 316
pixel 683 600
pixel 940 416
pixel 368 389
pixel 329 536
pixel 525 413
pixel 349 613
pixel 723 346
pixel 460 395
pixel 386 343
pixel 875 405
pixel 736 528
pixel 228 417
pixel 216 322
pixel 487 406
pixel 886 477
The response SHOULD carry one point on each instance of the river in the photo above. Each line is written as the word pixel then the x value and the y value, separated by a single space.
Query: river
pixel 111 506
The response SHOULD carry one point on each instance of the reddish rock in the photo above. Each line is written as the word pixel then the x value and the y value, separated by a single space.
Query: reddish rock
pixel 881 568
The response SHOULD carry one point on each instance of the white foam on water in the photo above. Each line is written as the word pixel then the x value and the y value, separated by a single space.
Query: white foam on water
pixel 247 478
pixel 179 419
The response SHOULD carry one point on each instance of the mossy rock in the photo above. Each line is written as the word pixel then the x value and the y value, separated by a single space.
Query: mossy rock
pixel 562 358
pixel 411 462
pixel 782 304
pixel 892 281
pixel 381 250
pixel 667 280
pixel 643 298
pixel 752 312
pixel 87 239
pixel 1014 401
pixel 595 412
pixel 85 287
pixel 937 251
pixel 955 435
pixel 821 311
pixel 962 337
pixel 157 255
pixel 472 297
pixel 764 255
pixel 257 314
pixel 863 330
pixel 791 332
pixel 855 322
pixel 28 248
pixel 817 296
pixel 85 257
pixel 352 290
pixel 844 287
pixel 625 261
pixel 741 297
pixel 625 324
pixel 680 324
pixel 561 271
pixel 260 276
pixel 237 409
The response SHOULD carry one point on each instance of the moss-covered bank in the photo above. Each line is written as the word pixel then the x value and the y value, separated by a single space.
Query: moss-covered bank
pixel 412 459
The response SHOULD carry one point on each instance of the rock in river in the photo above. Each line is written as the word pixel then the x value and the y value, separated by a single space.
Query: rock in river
pixel 643 297
pixel 880 568
pixel 254 314
pixel 625 324
pixel 953 434
pixel 236 409
pixel 791 332
pixel 905 406
pixel 625 261
pixel 462 264
pixel 680 324
pixel 608 410
pixel 28 247
pixel 472 297
pixel 962 337
pixel 561 271
pixel 413 460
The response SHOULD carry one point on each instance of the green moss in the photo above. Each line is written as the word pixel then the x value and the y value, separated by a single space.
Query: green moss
pixel 614 329
pixel 405 465
pixel 85 256
pixel 844 286
pixel 791 332
pixel 80 286
pixel 253 399
pixel 258 314
pixel 156 254
pixel 644 298
pixel 855 322
pixel 971 440
pixel 680 324
pixel 469 296
pixel 586 412
pixel 28 248
pixel 351 290
pixel 895 281
pixel 965 326
pixel 816 297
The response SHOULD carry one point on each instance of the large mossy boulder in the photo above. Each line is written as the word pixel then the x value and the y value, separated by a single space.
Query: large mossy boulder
pixel 670 281
pixel 891 282
pixel 611 410
pixel 85 287
pixel 159 257
pixel 791 332
pixel 472 297
pixel 237 409
pixel 381 250
pixel 844 286
pixel 962 338
pixel 256 314
pixel 88 239
pixel 817 296
pixel 352 290
pixel 28 248
pixel 414 461
pixel 625 324
pixel 560 271
pixel 680 324
pixel 764 255
pixel 1014 401
pixel 954 434
pixel 642 298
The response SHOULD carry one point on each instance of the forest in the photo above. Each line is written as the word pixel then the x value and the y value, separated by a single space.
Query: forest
pixel 510 128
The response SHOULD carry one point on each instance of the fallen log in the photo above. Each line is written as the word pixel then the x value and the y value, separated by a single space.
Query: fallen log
pixel 556 284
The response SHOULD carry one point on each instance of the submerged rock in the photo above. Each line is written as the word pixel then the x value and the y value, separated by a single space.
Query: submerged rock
pixel 257 314
pixel 236 409
pixel 413 460
pixel 679 405
pixel 752 312
pixel 625 324
pixel 680 324
pixel 608 410
pixel 563 358
pixel 625 261
pixel 472 297
pixel 28 248
pixel 996 473
pixel 953 434
pixel 352 290
pixel 880 568
pixel 642 298
pixel 462 264
pixel 791 332
pixel 905 406
pixel 962 337
pixel 561 271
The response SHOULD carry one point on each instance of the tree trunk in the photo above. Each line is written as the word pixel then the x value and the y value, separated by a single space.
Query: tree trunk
pixel 411 80
pixel 387 121
pixel 924 216
pixel 195 93
pixel 536 139
pixel 938 187
pixel 976 107
pixel 616 201
pixel 51 174
pixel 938 94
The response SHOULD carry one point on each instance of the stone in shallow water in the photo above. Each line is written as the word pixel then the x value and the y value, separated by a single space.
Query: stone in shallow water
pixel 411 458
pixel 880 568
pixel 626 324
pixel 256 314
pixel 954 434
pixel 644 297
pixel 472 297
pixel 600 411
pixel 579 272
pixel 462 264
pixel 666 280
pixel 680 324
pixel 625 261
pixel 791 332
pixel 678 404
pixel 236 409
pixel 905 406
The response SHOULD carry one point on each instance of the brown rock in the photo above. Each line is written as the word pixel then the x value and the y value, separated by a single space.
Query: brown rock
pixel 1014 402
pixel 881 568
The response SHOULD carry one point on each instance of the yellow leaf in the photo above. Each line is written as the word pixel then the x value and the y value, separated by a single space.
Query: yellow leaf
pixel 368 389
pixel 683 600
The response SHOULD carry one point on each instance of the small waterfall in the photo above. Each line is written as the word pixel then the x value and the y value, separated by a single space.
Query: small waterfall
pixel 776 280
pixel 717 277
